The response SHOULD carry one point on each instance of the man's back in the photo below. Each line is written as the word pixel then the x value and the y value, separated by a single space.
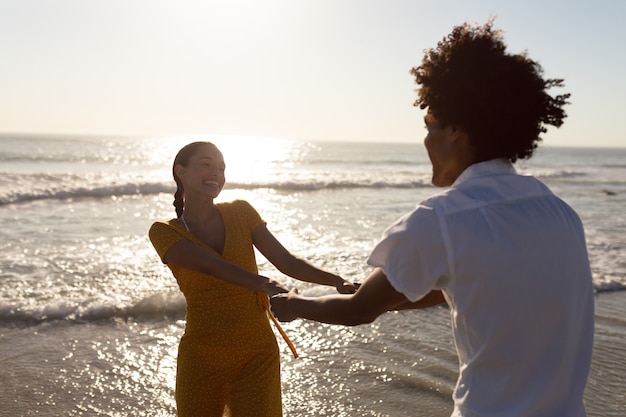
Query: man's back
pixel 519 286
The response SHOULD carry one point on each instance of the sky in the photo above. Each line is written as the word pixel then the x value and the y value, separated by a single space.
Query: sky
pixel 290 69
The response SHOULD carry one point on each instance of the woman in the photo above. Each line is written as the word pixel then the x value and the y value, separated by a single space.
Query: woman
pixel 228 359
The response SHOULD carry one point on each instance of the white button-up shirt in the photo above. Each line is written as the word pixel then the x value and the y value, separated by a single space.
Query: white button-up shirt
pixel 512 262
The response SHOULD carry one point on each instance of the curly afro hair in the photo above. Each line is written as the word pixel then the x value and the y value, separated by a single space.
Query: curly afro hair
pixel 470 82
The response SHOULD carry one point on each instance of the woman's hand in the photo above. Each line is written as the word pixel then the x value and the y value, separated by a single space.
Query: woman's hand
pixel 346 287
pixel 273 287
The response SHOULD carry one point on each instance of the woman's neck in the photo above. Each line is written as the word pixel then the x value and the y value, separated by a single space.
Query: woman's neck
pixel 199 212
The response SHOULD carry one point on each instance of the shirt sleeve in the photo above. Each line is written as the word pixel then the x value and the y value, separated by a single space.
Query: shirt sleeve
pixel 163 236
pixel 251 217
pixel 412 254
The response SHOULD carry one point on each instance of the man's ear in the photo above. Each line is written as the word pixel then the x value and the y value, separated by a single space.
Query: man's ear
pixel 459 134
pixel 463 145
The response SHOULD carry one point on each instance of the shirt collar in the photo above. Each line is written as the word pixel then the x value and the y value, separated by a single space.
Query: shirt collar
pixel 493 167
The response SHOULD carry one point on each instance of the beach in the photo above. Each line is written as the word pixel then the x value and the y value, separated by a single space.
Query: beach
pixel 90 319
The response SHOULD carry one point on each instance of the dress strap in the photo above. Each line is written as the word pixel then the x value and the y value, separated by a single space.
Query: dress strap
pixel 264 303
pixel 283 334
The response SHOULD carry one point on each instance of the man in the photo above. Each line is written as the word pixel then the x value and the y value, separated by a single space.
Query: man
pixel 507 255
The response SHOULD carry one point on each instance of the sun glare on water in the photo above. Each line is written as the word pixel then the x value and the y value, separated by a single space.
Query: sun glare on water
pixel 249 159
pixel 255 159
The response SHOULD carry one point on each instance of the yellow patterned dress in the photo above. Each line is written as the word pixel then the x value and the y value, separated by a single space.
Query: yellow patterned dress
pixel 228 358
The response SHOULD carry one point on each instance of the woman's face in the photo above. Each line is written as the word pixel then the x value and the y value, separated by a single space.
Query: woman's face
pixel 204 174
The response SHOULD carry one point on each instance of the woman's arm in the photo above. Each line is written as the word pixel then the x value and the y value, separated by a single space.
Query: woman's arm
pixel 189 255
pixel 293 266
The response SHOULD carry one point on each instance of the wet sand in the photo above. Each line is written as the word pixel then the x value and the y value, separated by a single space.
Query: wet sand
pixel 606 389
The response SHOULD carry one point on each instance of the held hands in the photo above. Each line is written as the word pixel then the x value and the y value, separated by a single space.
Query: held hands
pixel 279 305
pixel 282 303
pixel 345 287
pixel 281 298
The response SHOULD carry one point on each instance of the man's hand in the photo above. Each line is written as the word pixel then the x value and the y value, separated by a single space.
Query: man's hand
pixel 280 305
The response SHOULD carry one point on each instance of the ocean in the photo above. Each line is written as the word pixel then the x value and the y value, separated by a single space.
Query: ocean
pixel 90 319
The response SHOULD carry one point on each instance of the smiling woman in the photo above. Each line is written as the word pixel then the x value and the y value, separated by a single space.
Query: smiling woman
pixel 228 357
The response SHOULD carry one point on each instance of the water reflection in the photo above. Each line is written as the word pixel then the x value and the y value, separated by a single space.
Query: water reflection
pixel 370 370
